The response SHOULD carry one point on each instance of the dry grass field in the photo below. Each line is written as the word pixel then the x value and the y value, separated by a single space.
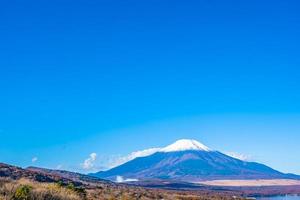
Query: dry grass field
pixel 25 189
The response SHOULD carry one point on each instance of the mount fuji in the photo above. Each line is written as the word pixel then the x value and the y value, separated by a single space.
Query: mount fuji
pixel 190 161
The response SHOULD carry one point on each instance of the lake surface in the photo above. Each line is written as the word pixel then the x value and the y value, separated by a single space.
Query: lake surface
pixel 289 197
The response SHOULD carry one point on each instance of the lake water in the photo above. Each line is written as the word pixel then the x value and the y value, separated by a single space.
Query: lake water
pixel 289 197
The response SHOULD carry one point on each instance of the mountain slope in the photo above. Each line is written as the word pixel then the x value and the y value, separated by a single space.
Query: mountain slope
pixel 47 175
pixel 189 160
pixel 76 177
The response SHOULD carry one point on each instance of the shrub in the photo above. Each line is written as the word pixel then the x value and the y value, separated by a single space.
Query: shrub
pixel 60 184
pixel 22 192
pixel 71 186
pixel 79 190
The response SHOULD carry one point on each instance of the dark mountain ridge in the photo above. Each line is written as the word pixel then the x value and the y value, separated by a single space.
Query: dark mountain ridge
pixel 47 175
pixel 74 176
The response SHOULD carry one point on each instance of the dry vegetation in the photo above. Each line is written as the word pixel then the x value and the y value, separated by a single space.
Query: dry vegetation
pixel 148 194
pixel 28 190
pixel 44 184
pixel 25 189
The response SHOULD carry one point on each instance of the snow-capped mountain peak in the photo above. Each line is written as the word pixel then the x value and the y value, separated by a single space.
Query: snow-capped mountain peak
pixel 184 145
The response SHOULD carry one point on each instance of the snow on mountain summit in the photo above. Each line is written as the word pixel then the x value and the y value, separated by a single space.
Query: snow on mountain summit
pixel 184 145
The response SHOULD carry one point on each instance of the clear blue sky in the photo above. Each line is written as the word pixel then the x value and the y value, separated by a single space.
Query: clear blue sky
pixel 113 77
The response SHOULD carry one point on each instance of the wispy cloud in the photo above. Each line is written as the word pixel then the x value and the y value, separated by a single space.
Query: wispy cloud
pixel 120 179
pixel 239 156
pixel 115 161
pixel 34 159
pixel 59 167
pixel 88 163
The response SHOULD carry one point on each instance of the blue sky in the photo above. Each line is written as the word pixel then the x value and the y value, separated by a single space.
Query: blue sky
pixel 112 77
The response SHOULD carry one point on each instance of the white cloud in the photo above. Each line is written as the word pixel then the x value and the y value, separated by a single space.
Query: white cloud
pixel 119 160
pixel 120 179
pixel 88 163
pixel 59 167
pixel 34 159
pixel 239 156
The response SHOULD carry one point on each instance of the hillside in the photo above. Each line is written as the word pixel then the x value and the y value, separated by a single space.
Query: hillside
pixel 45 184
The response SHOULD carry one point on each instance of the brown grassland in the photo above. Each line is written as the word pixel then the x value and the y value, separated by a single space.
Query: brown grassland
pixel 24 189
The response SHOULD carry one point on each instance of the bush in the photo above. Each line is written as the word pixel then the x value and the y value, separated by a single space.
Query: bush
pixel 71 186
pixel 60 184
pixel 79 190
pixel 22 193
pixel 30 190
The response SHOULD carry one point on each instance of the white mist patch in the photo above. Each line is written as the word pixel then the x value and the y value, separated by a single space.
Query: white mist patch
pixel 119 160
pixel 89 162
pixel 120 179
pixel 34 159
pixel 239 156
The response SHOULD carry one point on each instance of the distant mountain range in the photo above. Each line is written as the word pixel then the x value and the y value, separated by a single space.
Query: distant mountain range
pixel 190 161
